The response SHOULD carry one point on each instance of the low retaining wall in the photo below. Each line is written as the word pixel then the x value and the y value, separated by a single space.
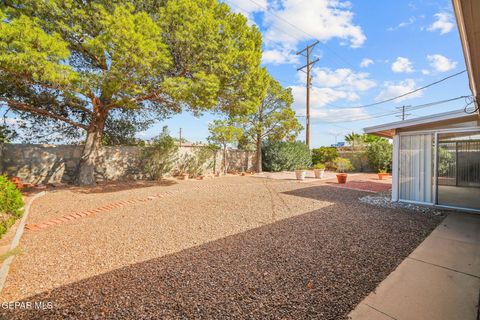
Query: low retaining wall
pixel 58 163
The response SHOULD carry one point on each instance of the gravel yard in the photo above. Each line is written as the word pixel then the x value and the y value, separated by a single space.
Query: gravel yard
pixel 233 247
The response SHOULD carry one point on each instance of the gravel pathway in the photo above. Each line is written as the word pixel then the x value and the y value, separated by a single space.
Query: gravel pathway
pixel 238 247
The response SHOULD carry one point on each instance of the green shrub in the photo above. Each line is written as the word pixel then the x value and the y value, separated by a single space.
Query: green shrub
pixel 196 163
pixel 319 166
pixel 11 203
pixel 342 164
pixel 279 156
pixel 324 155
pixel 379 155
pixel 160 155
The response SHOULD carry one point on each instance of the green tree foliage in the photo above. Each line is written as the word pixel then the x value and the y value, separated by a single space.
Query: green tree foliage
pixel 446 161
pixel 274 119
pixel 281 155
pixel 324 155
pixel 11 204
pixel 224 133
pixel 380 154
pixel 75 65
pixel 160 155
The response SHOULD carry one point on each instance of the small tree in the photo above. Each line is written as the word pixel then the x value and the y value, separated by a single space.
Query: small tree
pixel 160 155
pixel 380 155
pixel 274 119
pixel 223 133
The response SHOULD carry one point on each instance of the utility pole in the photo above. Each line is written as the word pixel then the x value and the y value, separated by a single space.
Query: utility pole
pixel 403 115
pixel 308 66
pixel 180 135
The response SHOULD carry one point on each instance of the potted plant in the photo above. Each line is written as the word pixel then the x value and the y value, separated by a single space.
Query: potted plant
pixel 319 170
pixel 382 173
pixel 300 173
pixel 342 165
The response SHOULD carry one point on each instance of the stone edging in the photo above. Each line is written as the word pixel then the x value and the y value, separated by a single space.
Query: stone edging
pixel 16 240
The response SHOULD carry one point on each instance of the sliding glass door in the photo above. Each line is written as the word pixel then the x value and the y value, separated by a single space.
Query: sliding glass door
pixel 458 170
pixel 416 168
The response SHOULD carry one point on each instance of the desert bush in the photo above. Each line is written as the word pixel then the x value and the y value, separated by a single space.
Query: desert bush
pixel 324 155
pixel 160 155
pixel 342 165
pixel 279 156
pixel 11 203
pixel 379 155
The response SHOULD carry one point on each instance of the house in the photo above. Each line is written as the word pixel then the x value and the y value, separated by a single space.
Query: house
pixel 436 159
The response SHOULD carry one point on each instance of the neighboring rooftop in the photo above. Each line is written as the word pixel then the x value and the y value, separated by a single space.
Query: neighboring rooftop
pixel 388 130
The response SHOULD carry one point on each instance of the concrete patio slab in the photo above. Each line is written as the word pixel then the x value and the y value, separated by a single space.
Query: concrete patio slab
pixel 453 254
pixel 439 280
pixel 460 226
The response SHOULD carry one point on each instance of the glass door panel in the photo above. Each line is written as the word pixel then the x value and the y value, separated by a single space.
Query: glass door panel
pixel 458 170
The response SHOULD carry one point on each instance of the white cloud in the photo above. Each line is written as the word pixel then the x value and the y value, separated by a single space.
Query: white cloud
pixel 319 98
pixel 342 79
pixel 402 65
pixel 425 72
pixel 441 63
pixel 392 89
pixel 321 19
pixel 366 62
pixel 403 24
pixel 444 23
pixel 329 86
pixel 248 8
pixel 279 56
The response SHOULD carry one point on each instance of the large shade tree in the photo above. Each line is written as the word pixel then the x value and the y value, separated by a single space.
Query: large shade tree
pixel 79 66
pixel 274 119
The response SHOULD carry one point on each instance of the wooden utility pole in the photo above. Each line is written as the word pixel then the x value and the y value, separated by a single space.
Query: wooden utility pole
pixel 180 139
pixel 308 66
pixel 403 115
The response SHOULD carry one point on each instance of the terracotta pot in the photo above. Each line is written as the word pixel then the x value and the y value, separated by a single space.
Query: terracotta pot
pixel 381 175
pixel 300 174
pixel 341 177
pixel 319 173
pixel 243 174
pixel 200 177
pixel 183 176
pixel 17 182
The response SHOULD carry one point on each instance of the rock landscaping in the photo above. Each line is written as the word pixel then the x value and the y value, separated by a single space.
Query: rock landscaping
pixel 233 247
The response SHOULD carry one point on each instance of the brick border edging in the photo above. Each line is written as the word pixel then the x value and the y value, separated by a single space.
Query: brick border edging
pixel 16 239
pixel 108 207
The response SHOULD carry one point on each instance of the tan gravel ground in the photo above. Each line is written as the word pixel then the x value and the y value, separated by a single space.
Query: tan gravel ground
pixel 235 247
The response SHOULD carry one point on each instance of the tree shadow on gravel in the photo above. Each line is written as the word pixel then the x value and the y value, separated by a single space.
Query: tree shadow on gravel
pixel 317 265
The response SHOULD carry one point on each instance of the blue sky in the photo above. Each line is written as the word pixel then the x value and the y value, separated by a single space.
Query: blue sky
pixel 403 45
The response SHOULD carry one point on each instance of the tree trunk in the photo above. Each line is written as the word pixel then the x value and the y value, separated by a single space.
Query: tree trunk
pixel 86 168
pixel 258 159
pixel 225 159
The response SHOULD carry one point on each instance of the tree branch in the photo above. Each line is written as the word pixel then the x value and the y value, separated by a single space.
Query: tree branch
pixel 25 107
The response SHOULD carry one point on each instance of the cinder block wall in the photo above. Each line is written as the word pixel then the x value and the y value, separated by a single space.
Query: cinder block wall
pixel 57 163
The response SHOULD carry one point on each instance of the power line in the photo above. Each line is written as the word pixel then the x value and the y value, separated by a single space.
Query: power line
pixel 405 94
pixel 303 31
pixel 417 107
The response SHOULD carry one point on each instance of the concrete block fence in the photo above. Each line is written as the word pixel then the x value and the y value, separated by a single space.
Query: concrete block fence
pixel 41 163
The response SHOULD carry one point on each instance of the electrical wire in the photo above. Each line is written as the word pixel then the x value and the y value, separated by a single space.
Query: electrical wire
pixel 303 31
pixel 405 94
